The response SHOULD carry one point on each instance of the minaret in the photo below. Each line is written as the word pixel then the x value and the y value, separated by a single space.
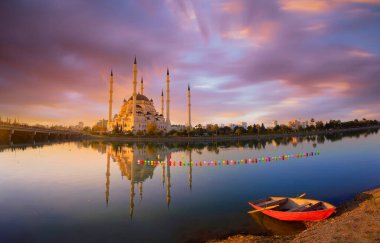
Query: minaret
pixel 163 175
pixel 167 98
pixel 142 86
pixel 108 177
pixel 134 93
pixel 141 190
pixel 109 125
pixel 190 174
pixel 168 185
pixel 162 102
pixel 131 193
pixel 188 106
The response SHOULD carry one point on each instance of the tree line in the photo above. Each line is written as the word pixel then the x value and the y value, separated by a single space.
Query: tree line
pixel 260 129
pixel 255 129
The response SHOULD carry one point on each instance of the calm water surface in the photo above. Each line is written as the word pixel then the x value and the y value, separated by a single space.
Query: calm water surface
pixel 96 192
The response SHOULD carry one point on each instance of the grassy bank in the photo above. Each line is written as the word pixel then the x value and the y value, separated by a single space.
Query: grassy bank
pixel 355 221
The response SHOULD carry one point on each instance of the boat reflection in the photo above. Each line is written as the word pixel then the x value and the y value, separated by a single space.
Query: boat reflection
pixel 277 227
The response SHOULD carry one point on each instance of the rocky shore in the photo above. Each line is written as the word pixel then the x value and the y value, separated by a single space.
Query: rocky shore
pixel 355 221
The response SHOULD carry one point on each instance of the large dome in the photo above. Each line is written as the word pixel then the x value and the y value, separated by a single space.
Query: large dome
pixel 140 97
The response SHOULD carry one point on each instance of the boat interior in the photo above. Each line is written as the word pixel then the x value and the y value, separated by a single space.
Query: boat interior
pixel 286 204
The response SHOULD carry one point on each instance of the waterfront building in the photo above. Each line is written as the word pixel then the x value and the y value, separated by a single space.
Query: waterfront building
pixel 294 124
pixel 178 127
pixel 232 126
pixel 137 112
pixel 80 126
pixel 243 125
pixel 102 123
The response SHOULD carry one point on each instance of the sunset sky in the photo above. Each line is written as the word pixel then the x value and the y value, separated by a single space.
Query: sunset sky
pixel 253 61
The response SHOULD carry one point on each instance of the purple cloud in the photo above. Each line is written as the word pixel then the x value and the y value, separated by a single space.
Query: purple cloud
pixel 247 60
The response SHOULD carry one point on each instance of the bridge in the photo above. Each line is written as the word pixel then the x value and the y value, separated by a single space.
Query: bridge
pixel 36 133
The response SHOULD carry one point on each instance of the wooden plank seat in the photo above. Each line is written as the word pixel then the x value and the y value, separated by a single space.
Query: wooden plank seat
pixel 300 208
pixel 272 202
pixel 314 207
pixel 261 200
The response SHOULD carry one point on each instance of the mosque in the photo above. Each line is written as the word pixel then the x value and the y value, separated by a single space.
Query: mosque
pixel 138 111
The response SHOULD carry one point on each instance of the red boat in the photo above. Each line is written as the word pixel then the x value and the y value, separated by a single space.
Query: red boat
pixel 293 209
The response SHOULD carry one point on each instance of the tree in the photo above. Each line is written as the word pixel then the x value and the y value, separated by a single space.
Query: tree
pixel 215 128
pixel 319 125
pixel 224 130
pixel 87 129
pixel 151 128
pixel 262 128
pixel 238 131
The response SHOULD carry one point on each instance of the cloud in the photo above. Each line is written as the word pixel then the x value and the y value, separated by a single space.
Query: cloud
pixel 319 6
pixel 360 53
pixel 259 60
pixel 305 5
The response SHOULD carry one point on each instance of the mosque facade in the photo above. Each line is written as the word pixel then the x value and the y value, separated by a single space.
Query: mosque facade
pixel 138 111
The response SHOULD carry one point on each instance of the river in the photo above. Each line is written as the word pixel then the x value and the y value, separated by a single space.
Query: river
pixel 94 191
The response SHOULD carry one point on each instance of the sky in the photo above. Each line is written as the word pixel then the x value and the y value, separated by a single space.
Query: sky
pixel 253 61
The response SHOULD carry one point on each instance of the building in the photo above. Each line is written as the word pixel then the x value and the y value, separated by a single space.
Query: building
pixel 294 124
pixel 102 123
pixel 275 123
pixel 138 111
pixel 243 125
pixel 232 125
pixel 178 127
pixel 80 126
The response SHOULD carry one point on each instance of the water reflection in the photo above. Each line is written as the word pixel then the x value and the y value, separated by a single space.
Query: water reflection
pixel 277 227
pixel 97 183
pixel 214 147
pixel 126 157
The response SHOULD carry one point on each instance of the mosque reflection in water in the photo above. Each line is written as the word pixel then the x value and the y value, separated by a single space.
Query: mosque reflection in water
pixel 126 156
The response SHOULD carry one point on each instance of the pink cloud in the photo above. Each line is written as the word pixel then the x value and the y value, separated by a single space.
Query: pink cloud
pixel 259 60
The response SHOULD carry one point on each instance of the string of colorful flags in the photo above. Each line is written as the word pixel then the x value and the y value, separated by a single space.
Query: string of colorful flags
pixel 229 162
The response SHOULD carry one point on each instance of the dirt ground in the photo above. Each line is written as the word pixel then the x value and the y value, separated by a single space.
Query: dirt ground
pixel 354 221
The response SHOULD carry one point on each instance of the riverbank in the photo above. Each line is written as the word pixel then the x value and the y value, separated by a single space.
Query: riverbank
pixel 355 221
pixel 221 138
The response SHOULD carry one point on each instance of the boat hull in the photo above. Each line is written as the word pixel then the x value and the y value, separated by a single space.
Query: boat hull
pixel 296 216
